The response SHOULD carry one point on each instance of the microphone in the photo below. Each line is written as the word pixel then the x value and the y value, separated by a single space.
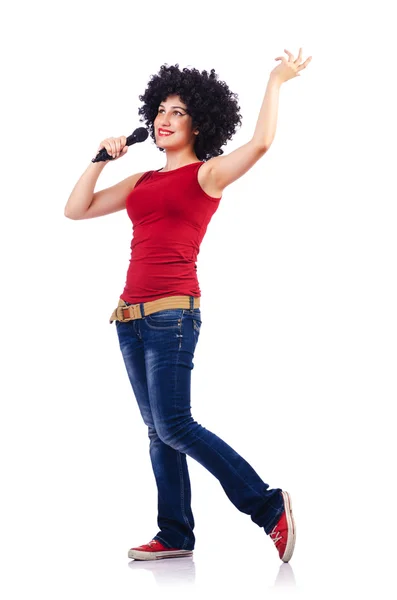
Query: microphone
pixel 139 135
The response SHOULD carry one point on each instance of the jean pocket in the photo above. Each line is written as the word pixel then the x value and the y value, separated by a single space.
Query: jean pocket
pixel 165 319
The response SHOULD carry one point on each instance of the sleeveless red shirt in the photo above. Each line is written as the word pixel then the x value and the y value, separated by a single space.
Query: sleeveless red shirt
pixel 170 213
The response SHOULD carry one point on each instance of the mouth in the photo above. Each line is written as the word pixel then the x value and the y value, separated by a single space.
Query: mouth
pixel 163 133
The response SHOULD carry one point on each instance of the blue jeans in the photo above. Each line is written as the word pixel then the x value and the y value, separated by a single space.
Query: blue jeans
pixel 158 353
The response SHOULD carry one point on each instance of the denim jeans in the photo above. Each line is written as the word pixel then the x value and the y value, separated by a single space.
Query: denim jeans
pixel 158 353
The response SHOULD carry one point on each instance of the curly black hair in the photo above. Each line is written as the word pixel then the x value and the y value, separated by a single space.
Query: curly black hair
pixel 211 104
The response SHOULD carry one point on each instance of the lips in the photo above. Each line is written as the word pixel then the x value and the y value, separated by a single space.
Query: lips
pixel 165 132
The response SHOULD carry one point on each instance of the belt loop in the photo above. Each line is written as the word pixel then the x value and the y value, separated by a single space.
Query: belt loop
pixel 142 309
pixel 191 300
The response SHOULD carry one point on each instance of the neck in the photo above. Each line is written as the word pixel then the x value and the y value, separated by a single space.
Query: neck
pixel 178 159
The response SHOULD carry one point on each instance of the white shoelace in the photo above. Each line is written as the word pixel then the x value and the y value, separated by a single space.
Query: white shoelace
pixel 276 533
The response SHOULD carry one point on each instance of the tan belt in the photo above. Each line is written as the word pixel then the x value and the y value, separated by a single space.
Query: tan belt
pixel 127 313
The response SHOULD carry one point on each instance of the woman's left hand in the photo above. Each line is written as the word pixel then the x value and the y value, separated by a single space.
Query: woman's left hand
pixel 288 69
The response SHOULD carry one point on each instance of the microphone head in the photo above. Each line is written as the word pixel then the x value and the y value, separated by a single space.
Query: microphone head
pixel 140 134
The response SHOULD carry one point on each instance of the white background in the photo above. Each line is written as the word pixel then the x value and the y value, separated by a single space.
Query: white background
pixel 296 362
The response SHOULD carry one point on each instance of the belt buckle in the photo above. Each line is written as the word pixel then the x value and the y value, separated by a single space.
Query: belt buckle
pixel 120 313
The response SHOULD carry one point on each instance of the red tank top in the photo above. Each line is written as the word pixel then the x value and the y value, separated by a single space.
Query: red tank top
pixel 170 213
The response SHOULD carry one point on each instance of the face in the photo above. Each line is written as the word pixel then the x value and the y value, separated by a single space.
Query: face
pixel 172 116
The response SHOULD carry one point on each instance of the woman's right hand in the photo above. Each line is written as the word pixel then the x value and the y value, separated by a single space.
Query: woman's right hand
pixel 115 147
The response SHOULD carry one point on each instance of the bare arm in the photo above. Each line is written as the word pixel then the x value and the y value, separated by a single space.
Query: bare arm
pixel 83 192
pixel 85 204
pixel 223 170
pixel 266 124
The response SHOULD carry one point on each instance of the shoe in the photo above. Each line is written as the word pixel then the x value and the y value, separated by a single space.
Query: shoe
pixel 284 533
pixel 155 550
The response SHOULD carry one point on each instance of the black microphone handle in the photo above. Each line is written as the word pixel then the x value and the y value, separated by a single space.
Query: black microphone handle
pixel 102 156
pixel 131 139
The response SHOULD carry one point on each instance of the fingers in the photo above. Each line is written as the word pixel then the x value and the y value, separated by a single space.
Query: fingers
pixel 114 146
pixel 299 56
pixel 304 65
pixel 291 57
pixel 298 59
pixel 109 146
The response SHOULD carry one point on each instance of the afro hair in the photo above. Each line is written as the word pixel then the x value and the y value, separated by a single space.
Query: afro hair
pixel 210 103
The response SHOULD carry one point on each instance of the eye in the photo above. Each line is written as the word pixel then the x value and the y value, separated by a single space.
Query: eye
pixel 175 111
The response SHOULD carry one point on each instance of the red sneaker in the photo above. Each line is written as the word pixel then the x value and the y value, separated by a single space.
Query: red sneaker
pixel 284 533
pixel 155 550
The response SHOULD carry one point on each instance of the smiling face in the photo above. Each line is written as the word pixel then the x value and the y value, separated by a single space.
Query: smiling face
pixel 173 117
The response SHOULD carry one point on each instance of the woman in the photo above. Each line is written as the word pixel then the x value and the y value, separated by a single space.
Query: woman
pixel 190 116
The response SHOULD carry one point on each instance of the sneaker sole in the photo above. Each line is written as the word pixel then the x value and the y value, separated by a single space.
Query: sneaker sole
pixel 291 528
pixel 141 555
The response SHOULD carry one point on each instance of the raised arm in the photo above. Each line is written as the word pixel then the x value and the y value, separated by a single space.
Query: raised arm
pixel 223 170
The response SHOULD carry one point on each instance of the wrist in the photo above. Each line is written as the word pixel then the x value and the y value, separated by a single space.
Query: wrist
pixel 275 79
pixel 99 165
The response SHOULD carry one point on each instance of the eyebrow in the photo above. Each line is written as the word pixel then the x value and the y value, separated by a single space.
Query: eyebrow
pixel 174 106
